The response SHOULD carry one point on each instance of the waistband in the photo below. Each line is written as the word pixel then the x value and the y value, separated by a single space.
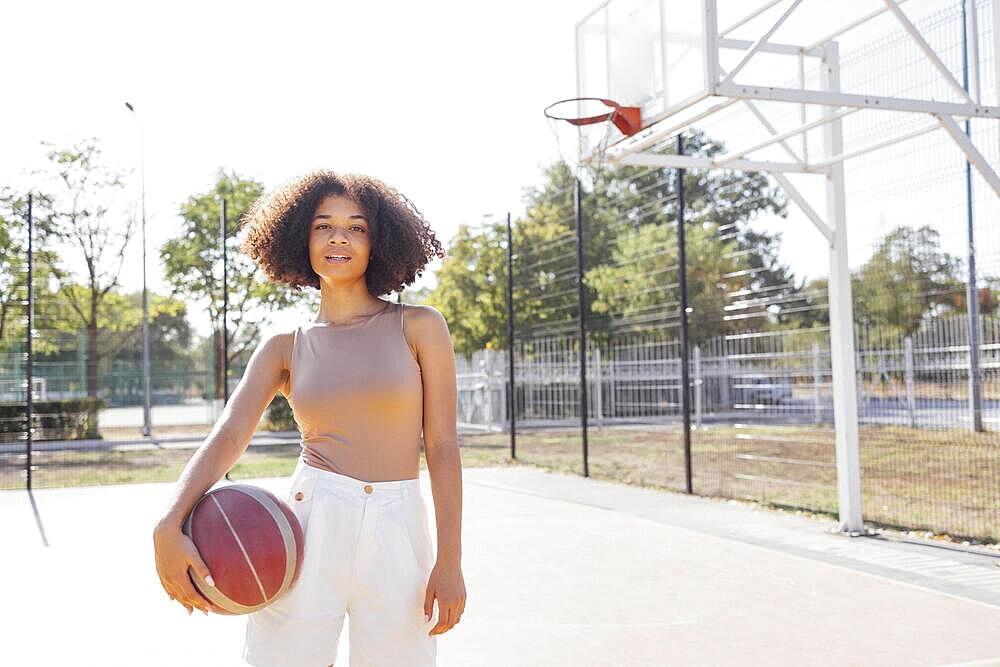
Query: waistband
pixel 400 487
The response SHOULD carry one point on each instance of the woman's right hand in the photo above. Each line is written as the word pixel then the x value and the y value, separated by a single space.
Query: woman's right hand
pixel 175 552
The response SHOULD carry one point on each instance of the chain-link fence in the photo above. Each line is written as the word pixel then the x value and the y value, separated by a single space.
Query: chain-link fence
pixel 759 352
pixel 760 367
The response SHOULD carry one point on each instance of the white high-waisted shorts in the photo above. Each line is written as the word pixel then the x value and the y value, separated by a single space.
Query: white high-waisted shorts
pixel 368 553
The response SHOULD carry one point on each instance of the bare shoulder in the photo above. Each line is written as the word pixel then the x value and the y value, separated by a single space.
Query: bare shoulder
pixel 423 325
pixel 271 362
pixel 274 352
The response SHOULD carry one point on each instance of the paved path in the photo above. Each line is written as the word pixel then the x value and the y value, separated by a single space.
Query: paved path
pixel 560 570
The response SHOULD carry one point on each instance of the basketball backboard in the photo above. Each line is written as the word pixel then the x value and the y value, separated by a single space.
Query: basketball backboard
pixel 778 65
pixel 681 61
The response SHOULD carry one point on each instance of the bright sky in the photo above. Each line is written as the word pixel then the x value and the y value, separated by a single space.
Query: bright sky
pixel 442 100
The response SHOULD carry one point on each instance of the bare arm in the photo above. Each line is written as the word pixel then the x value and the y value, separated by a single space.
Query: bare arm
pixel 436 356
pixel 231 434
pixel 437 369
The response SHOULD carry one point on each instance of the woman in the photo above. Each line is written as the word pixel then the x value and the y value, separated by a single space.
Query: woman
pixel 362 379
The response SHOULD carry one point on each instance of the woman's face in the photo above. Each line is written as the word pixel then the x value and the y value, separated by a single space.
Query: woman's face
pixel 339 227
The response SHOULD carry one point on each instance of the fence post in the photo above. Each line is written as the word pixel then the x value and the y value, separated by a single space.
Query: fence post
pixel 504 396
pixel 489 391
pixel 860 365
pixel 698 384
pixel 612 409
pixel 724 391
pixel 817 378
pixel 529 376
pixel 970 70
pixel 599 393
pixel 911 398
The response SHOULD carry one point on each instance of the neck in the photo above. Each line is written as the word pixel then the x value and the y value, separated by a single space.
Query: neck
pixel 342 307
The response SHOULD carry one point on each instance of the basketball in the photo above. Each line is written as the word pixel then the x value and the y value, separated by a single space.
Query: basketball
pixel 251 542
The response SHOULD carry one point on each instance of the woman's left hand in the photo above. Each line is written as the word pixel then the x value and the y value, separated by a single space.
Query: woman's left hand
pixel 448 586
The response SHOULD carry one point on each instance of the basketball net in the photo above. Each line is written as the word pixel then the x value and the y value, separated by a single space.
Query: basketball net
pixel 571 120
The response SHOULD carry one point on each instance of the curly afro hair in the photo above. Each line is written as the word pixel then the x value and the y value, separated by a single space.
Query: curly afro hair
pixel 278 226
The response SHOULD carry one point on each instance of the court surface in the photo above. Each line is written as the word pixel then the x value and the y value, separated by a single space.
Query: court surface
pixel 560 570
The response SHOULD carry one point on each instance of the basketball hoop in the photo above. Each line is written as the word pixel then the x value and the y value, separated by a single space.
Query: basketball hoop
pixel 628 121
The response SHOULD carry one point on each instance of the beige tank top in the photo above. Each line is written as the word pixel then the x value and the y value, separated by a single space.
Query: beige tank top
pixel 356 394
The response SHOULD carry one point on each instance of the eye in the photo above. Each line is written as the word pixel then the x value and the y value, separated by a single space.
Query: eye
pixel 358 227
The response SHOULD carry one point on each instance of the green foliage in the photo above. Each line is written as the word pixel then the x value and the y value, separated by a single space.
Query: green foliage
pixel 64 419
pixel 471 288
pixel 192 261
pixel 14 259
pixel 907 280
pixel 82 317
pixel 630 254
pixel 630 259
pixel 638 295
pixel 278 415
pixel 86 223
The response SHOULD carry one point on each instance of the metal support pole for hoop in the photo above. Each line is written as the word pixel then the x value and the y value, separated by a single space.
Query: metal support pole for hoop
pixel 842 351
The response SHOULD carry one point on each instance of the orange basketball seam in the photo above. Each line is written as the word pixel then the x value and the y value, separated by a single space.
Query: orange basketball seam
pixel 239 542
pixel 291 555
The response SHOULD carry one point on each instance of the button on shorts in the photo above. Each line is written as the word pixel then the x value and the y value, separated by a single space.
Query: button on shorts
pixel 367 553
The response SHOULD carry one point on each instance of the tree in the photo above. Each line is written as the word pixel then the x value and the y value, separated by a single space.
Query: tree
pixel 637 294
pixel 92 224
pixel 14 258
pixel 734 275
pixel 746 283
pixel 907 278
pixel 471 288
pixel 629 255
pixel 192 264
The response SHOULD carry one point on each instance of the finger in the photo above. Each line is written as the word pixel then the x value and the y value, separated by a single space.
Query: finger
pixel 203 601
pixel 442 624
pixel 179 597
pixel 202 604
pixel 428 603
pixel 197 566
pixel 192 599
pixel 198 600
pixel 192 595
pixel 449 617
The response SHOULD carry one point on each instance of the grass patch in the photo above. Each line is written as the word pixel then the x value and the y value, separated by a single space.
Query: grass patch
pixel 935 481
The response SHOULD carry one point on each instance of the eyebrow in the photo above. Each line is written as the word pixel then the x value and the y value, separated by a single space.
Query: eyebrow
pixel 323 216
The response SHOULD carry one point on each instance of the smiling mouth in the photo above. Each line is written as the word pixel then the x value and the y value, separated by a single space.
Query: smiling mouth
pixel 338 260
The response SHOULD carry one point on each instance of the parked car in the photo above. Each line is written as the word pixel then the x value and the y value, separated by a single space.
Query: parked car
pixel 762 388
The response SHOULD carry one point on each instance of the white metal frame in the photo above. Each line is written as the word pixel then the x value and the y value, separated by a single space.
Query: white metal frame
pixel 722 90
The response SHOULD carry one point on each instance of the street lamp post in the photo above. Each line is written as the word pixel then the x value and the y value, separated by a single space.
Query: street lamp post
pixel 146 420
